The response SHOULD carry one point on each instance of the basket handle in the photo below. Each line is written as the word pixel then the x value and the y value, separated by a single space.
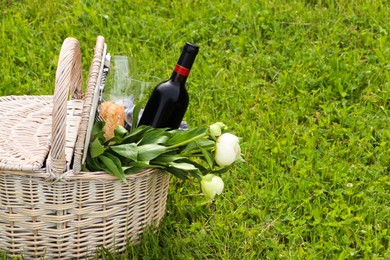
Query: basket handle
pixel 92 82
pixel 68 79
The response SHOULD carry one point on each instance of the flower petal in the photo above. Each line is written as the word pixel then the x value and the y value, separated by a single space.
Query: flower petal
pixel 228 138
pixel 212 185
pixel 224 154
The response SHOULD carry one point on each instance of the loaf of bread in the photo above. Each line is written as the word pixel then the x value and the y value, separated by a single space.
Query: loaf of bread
pixel 113 115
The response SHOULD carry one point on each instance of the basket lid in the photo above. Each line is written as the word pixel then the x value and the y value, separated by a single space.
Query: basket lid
pixel 25 131
pixel 25 125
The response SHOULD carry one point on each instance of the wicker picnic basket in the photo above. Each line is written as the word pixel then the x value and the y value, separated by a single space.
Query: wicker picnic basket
pixel 48 206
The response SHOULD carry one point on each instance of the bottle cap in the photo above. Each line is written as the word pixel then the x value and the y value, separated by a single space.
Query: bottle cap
pixel 188 55
pixel 191 48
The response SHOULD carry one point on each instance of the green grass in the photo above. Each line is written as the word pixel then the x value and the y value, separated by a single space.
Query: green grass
pixel 304 83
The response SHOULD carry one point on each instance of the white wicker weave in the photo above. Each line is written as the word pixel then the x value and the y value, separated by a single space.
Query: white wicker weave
pixel 54 210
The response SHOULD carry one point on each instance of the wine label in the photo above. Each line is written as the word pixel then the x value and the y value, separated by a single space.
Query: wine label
pixel 181 70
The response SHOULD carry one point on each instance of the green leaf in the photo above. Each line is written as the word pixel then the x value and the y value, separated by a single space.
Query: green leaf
pixel 194 146
pixel 197 165
pixel 132 169
pixel 126 150
pixel 98 127
pixel 136 135
pixel 156 136
pixel 221 170
pixel 92 164
pixel 208 157
pixel 141 164
pixel 134 121
pixel 183 166
pixel 184 135
pixel 205 143
pixel 113 165
pixel 114 140
pixel 167 158
pixel 96 148
pixel 148 152
pixel 120 131
pixel 84 168
pixel 190 147
pixel 181 174
pixel 196 175
pixel 97 130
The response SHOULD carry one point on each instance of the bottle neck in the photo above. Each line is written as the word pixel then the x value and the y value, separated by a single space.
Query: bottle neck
pixel 180 74
pixel 184 64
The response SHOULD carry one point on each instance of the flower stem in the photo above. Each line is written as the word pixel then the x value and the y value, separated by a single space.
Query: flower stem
pixel 187 141
pixel 192 152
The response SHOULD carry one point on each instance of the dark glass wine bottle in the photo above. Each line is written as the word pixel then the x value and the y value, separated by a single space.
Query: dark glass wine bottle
pixel 169 100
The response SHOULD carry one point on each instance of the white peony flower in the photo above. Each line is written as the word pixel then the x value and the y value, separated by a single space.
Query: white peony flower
pixel 227 149
pixel 211 185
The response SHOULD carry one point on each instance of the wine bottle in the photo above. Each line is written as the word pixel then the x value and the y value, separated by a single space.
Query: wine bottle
pixel 169 100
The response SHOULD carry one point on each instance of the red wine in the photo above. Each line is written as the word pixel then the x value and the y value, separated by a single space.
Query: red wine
pixel 169 100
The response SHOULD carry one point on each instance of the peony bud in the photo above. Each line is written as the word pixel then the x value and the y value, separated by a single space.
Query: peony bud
pixel 227 149
pixel 211 185
pixel 216 129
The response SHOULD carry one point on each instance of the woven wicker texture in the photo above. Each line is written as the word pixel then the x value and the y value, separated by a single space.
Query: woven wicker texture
pixel 93 79
pixel 68 78
pixel 70 219
pixel 26 129
pixel 58 212
pixel 24 132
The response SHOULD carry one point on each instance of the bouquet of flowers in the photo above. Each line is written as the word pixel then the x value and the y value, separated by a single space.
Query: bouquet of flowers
pixel 201 153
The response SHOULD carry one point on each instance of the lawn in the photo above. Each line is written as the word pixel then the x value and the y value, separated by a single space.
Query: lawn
pixel 306 84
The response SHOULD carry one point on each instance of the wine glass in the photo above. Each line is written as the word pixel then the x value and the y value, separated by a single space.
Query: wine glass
pixel 125 86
